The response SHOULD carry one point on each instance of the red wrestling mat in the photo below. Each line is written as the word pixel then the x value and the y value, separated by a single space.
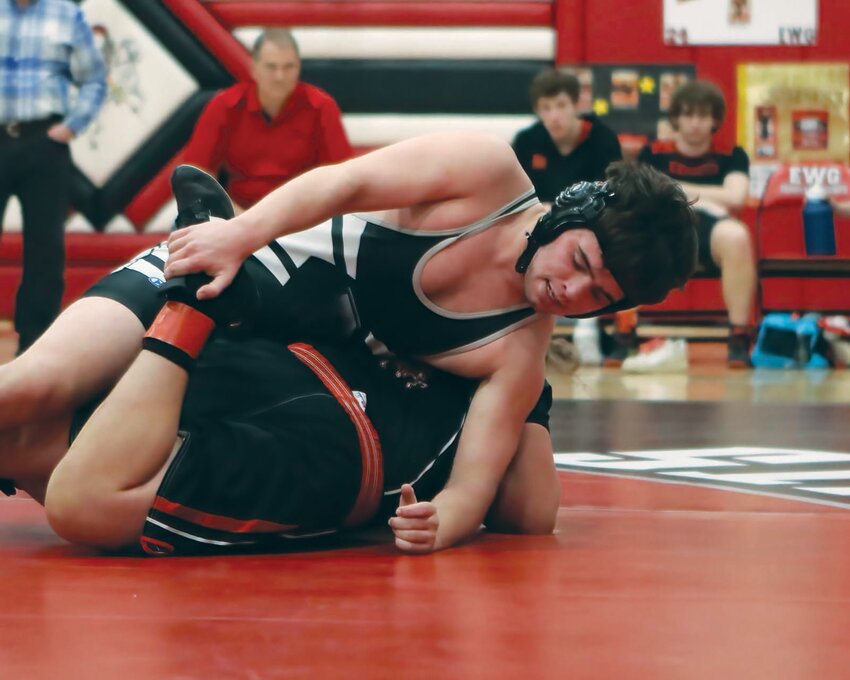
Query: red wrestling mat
pixel 643 580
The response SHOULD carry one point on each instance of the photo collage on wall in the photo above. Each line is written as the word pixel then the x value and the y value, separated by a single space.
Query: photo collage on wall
pixel 631 99
pixel 793 114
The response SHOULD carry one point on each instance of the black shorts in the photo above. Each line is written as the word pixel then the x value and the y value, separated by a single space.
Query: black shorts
pixel 277 445
pixel 705 225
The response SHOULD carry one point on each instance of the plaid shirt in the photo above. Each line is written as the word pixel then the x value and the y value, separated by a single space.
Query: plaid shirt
pixel 45 48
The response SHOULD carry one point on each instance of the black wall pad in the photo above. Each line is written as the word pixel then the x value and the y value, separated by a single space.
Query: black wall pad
pixel 84 196
pixel 425 86
pixel 153 154
pixel 180 42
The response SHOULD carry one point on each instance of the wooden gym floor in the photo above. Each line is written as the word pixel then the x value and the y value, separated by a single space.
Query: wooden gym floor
pixel 704 533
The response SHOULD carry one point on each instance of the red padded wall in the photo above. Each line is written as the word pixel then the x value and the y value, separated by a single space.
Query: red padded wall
pixel 613 31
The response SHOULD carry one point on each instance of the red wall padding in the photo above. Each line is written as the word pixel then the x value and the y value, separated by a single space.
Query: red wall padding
pixel 613 31
pixel 382 13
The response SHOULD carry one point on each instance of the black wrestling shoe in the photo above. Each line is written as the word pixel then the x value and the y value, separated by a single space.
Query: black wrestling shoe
pixel 199 197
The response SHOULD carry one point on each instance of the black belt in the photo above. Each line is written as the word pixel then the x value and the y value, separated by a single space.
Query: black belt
pixel 27 128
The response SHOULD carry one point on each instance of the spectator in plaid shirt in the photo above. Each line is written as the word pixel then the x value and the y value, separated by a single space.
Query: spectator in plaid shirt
pixel 46 47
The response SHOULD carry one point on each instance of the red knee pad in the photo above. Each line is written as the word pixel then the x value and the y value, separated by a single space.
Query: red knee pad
pixel 178 333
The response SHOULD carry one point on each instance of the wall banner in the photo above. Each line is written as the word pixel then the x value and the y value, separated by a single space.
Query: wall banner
pixel 740 22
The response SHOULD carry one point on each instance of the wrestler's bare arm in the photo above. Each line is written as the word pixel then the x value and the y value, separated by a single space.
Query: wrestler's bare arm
pixel 731 195
pixel 530 492
pixel 488 444
pixel 440 167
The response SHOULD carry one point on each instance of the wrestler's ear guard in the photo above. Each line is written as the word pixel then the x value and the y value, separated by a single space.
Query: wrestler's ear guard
pixel 578 206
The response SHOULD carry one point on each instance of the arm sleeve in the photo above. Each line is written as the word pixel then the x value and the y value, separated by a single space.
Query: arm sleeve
pixel 88 73
pixel 740 161
pixel 540 413
pixel 206 148
pixel 334 142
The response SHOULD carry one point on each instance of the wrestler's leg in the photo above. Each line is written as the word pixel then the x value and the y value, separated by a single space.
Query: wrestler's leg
pixel 80 356
pixel 100 492
pixel 31 452
pixel 102 489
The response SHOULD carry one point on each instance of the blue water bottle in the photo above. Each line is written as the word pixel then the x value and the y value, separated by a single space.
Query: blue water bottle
pixel 818 224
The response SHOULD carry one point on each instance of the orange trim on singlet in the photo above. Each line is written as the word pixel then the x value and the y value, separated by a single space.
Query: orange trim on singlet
pixel 218 522
pixel 583 132
pixel 372 478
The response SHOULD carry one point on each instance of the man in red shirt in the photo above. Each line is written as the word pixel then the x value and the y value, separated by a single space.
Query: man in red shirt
pixel 263 133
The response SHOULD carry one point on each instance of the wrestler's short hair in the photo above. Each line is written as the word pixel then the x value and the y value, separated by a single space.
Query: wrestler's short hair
pixel 551 82
pixel 700 96
pixel 647 232
pixel 281 37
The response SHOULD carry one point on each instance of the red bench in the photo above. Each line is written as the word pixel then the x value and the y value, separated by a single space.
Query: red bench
pixel 88 257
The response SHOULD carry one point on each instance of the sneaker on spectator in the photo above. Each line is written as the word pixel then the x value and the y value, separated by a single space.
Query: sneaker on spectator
pixel 659 356
pixel 738 354
pixel 618 348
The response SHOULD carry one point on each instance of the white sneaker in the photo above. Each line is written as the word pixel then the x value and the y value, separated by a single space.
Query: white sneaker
pixel 671 356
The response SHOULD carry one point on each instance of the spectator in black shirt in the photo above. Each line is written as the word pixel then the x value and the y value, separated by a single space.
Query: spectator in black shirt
pixel 563 147
pixel 717 179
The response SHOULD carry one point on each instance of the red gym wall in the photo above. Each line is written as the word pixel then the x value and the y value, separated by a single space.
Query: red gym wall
pixel 614 31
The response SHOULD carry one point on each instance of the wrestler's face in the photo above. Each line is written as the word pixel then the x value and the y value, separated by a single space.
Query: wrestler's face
pixel 695 126
pixel 558 115
pixel 276 71
pixel 568 277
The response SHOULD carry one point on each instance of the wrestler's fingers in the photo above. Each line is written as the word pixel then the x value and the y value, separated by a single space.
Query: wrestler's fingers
pixel 408 495
pixel 402 523
pixel 414 548
pixel 178 265
pixel 418 537
pixel 215 287
pixel 177 237
pixel 421 510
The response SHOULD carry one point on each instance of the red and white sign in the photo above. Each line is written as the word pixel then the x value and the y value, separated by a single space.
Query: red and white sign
pixel 740 22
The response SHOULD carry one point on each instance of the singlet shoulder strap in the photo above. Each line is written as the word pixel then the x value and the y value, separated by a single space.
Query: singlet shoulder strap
pixel 526 200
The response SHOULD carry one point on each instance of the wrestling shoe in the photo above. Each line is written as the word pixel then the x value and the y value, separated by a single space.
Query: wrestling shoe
pixel 664 356
pixel 199 197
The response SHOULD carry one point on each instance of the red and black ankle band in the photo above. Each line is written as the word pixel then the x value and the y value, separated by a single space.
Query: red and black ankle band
pixel 178 334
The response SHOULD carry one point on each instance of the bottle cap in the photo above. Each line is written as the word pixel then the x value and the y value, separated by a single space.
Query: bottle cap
pixel 816 192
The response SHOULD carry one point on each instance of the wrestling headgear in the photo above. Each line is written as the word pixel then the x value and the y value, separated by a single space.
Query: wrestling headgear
pixel 576 207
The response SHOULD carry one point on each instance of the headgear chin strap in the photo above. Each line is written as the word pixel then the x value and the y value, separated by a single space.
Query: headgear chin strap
pixel 576 206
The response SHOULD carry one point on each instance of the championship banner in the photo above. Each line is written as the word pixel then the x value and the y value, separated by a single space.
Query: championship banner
pixel 793 115
pixel 740 22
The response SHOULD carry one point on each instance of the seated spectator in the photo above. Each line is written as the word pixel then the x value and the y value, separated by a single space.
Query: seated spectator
pixel 562 147
pixel 717 179
pixel 257 135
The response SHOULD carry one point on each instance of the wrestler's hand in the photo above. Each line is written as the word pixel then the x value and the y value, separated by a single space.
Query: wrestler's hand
pixel 415 524
pixel 213 247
